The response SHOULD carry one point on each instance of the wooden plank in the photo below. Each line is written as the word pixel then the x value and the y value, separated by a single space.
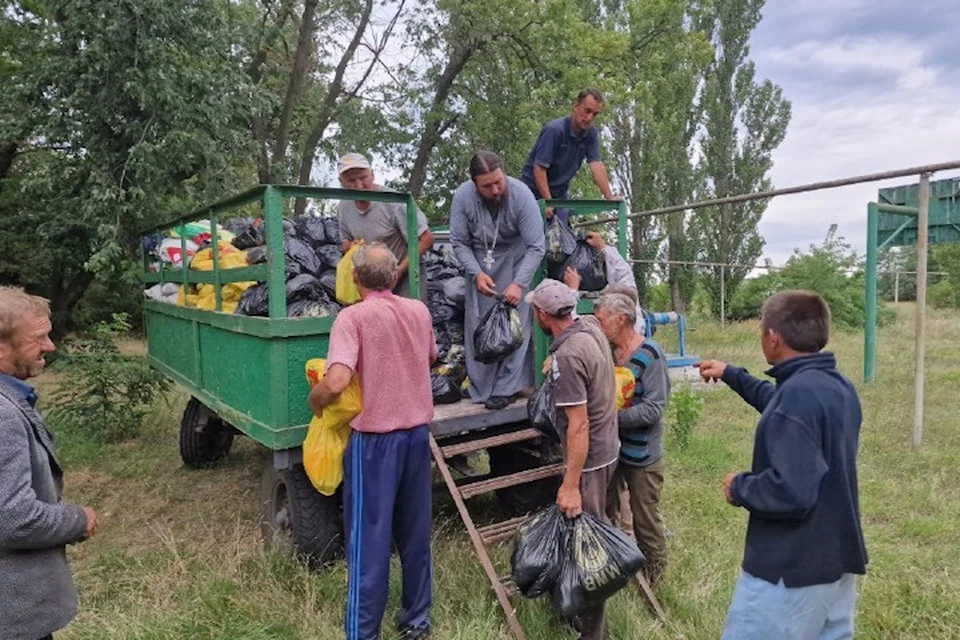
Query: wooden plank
pixel 478 546
pixel 471 489
pixel 449 419
pixel 493 533
pixel 485 443
pixel 647 594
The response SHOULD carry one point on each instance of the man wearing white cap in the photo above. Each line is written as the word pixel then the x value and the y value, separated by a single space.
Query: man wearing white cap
pixel 580 368
pixel 384 222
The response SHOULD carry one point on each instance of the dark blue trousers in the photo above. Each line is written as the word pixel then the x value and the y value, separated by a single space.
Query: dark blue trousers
pixel 387 498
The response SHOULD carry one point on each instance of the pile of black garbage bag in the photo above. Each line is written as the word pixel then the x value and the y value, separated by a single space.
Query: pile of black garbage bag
pixel 566 249
pixel 446 292
pixel 311 253
pixel 580 562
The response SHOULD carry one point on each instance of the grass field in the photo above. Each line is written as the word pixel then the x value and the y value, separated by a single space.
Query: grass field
pixel 178 553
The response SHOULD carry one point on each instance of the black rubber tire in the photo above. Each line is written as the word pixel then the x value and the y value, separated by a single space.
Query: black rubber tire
pixel 294 513
pixel 204 438
pixel 525 498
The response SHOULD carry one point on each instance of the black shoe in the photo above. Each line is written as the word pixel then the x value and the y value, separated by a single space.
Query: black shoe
pixel 415 634
pixel 496 403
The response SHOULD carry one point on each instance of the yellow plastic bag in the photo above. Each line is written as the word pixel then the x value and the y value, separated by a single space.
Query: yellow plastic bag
pixel 327 436
pixel 347 292
pixel 626 386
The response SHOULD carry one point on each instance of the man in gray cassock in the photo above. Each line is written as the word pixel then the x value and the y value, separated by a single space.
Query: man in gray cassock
pixel 497 234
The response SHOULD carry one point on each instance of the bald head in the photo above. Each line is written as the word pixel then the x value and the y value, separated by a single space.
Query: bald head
pixel 375 266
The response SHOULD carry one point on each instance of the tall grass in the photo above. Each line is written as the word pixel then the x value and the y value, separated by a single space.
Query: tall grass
pixel 178 554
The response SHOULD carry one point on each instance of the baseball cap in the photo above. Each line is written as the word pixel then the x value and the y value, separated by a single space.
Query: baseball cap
pixel 352 161
pixel 552 296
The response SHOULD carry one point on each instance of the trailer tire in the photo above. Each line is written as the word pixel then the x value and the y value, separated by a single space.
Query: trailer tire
pixel 294 513
pixel 525 498
pixel 204 437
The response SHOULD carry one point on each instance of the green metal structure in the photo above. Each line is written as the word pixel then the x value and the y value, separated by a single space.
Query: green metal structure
pixel 892 221
pixel 249 370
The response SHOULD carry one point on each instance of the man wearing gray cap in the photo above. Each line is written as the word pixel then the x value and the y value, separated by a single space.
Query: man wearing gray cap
pixel 580 368
pixel 384 222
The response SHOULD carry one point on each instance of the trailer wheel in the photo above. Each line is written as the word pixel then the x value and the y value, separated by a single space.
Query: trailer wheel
pixel 525 498
pixel 294 513
pixel 204 437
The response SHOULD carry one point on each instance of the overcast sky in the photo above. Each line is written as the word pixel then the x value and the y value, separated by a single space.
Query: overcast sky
pixel 875 86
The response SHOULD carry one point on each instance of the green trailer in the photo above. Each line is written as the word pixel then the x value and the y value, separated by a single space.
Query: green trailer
pixel 245 376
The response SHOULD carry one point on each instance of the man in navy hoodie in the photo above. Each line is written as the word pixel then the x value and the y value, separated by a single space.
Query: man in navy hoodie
pixel 804 540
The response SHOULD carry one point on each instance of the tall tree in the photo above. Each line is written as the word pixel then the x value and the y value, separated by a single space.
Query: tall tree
pixel 746 119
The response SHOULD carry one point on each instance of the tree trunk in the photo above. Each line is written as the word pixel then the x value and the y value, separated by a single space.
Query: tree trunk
pixel 433 126
pixel 301 63
pixel 329 107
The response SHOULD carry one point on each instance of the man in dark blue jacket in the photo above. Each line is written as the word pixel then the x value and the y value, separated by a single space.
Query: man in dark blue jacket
pixel 804 540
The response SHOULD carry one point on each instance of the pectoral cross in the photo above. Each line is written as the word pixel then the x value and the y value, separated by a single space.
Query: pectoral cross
pixel 488 260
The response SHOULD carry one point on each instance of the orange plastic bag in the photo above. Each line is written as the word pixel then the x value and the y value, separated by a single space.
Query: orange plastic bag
pixel 626 386
pixel 347 292
pixel 327 436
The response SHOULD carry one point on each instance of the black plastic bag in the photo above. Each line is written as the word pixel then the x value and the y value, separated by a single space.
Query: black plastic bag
pixel 247 232
pixel 445 390
pixel 442 313
pixel 311 230
pixel 304 287
pixel 253 302
pixel 256 255
pixel 561 241
pixel 312 308
pixel 301 258
pixel 598 560
pixel 591 264
pixel 330 255
pixel 499 334
pixel 542 412
pixel 455 291
pixel 331 229
pixel 535 563
pixel 456 331
pixel 328 280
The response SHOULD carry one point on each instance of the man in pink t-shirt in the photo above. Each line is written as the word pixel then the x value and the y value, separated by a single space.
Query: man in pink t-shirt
pixel 388 342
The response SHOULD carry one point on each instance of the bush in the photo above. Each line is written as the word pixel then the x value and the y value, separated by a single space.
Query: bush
pixel 685 406
pixel 105 394
pixel 832 269
pixel 658 298
pixel 943 295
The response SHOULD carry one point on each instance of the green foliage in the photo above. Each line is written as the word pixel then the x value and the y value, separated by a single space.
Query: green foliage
pixel 946 293
pixel 685 406
pixel 105 393
pixel 833 269
pixel 746 120
pixel 658 297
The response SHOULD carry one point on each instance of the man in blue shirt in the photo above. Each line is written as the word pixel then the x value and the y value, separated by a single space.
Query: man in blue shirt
pixel 804 544
pixel 561 148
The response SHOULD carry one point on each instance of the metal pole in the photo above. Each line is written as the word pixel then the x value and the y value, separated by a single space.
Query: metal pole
pixel 922 233
pixel 870 292
pixel 723 298
pixel 896 287
pixel 813 186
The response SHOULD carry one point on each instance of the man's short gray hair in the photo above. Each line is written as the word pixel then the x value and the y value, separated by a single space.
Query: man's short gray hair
pixel 618 304
pixel 16 305
pixel 376 266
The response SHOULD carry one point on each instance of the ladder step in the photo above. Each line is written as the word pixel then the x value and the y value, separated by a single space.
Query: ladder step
pixel 509 585
pixel 500 530
pixel 502 482
pixel 485 443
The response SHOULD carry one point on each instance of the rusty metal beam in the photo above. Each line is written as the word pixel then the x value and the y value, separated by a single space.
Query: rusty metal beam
pixel 469 490
pixel 803 188
pixel 486 443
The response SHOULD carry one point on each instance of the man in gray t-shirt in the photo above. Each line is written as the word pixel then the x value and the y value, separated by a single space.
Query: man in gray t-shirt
pixel 584 389
pixel 384 222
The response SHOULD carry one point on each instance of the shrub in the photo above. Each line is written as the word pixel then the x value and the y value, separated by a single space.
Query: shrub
pixel 658 298
pixel 685 405
pixel 105 393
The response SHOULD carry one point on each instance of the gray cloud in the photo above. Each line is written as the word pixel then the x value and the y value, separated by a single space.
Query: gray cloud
pixel 875 85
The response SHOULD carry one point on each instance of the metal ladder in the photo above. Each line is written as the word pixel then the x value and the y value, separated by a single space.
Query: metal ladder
pixel 483 537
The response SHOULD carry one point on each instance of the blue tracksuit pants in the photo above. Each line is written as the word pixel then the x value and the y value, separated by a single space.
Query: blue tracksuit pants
pixel 387 498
